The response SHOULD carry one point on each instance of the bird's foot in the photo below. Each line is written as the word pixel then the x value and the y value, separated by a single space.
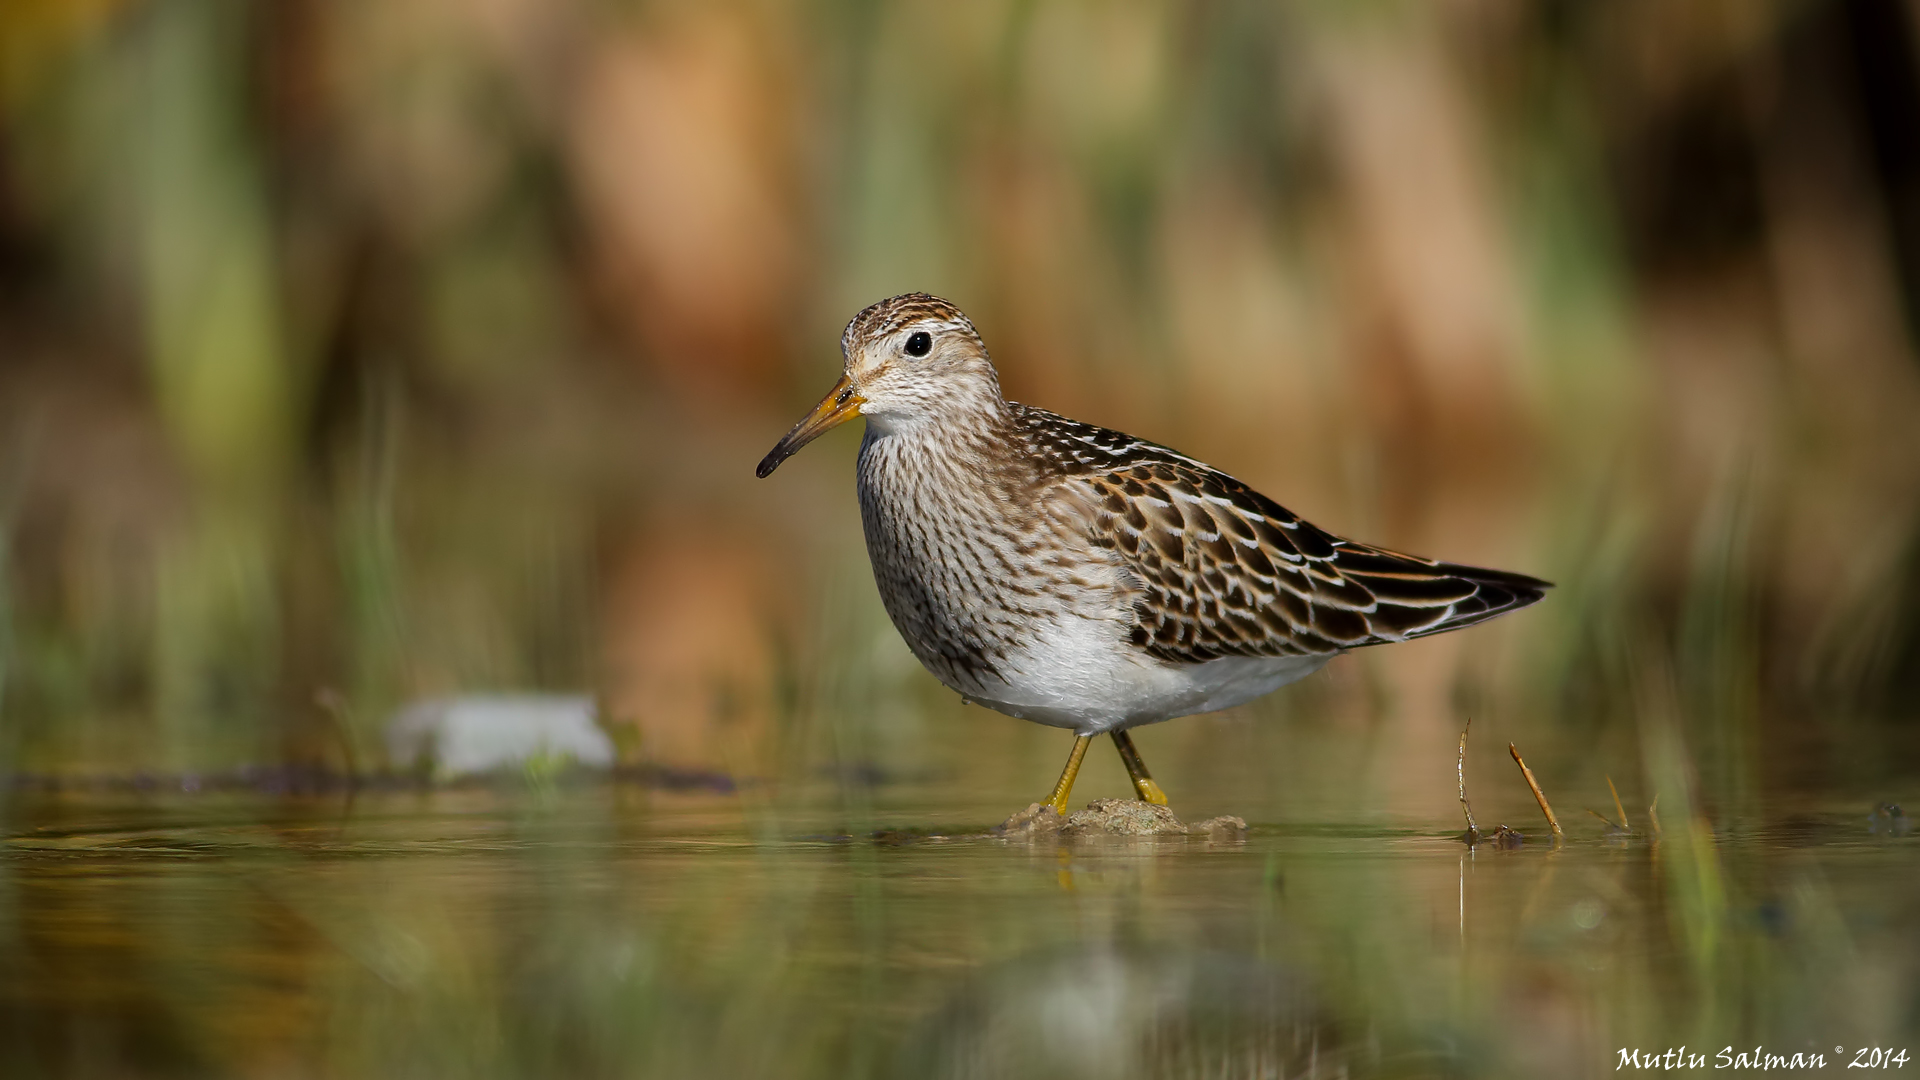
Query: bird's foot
pixel 1149 791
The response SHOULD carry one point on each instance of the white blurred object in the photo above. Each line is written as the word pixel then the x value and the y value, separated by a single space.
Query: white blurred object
pixel 481 733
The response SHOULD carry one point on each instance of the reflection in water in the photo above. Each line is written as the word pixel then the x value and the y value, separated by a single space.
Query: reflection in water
pixel 1109 1012
pixel 604 930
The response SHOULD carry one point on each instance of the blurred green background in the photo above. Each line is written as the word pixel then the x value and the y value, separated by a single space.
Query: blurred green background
pixel 358 352
pixel 362 352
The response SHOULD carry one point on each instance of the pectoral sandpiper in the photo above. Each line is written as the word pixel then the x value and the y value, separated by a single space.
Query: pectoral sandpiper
pixel 1086 579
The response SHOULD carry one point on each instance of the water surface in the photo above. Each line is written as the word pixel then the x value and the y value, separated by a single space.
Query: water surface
pixel 602 930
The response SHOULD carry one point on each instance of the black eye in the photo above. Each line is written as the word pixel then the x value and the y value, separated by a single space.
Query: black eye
pixel 919 343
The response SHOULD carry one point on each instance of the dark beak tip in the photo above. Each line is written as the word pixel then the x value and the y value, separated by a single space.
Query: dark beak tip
pixel 772 461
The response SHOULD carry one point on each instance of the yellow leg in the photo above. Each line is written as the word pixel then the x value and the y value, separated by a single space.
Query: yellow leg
pixel 1065 787
pixel 1142 781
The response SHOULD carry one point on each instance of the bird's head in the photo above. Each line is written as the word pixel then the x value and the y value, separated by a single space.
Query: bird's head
pixel 909 360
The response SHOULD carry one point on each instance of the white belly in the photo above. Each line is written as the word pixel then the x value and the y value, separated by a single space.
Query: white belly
pixel 1080 674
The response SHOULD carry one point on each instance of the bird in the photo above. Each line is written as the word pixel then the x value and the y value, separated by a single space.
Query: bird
pixel 1083 578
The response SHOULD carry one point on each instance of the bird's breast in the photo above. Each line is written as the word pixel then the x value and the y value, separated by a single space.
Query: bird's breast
pixel 979 570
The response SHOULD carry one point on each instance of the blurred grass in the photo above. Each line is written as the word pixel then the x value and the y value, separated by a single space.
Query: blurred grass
pixel 357 353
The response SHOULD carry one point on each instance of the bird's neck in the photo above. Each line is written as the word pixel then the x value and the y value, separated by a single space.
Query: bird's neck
pixel 970 442
pixel 959 414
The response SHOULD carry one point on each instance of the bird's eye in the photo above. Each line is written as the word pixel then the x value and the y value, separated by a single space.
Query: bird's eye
pixel 919 343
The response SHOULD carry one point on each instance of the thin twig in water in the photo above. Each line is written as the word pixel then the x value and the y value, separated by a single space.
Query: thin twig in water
pixel 1538 796
pixel 1604 818
pixel 1653 815
pixel 1460 767
pixel 1625 826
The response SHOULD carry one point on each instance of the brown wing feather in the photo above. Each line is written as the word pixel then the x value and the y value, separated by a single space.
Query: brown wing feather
pixel 1226 571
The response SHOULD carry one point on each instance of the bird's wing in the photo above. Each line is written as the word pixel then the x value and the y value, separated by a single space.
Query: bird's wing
pixel 1226 571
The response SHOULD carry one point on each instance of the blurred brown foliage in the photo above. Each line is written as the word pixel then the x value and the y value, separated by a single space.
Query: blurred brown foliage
pixel 401 346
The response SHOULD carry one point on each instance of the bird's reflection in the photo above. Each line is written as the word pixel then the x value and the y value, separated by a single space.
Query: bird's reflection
pixel 1111 1011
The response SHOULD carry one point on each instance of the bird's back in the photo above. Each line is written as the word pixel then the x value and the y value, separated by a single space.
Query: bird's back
pixel 1225 571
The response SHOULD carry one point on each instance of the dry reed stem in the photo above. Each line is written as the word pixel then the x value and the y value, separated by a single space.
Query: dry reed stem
pixel 1460 768
pixel 1538 795
pixel 1625 825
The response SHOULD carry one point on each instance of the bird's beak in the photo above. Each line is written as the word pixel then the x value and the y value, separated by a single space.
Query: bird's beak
pixel 839 406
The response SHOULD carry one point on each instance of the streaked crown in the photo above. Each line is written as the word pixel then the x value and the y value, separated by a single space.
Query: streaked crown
pixel 889 316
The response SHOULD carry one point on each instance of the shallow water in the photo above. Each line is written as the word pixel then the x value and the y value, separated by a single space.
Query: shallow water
pixel 604 930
